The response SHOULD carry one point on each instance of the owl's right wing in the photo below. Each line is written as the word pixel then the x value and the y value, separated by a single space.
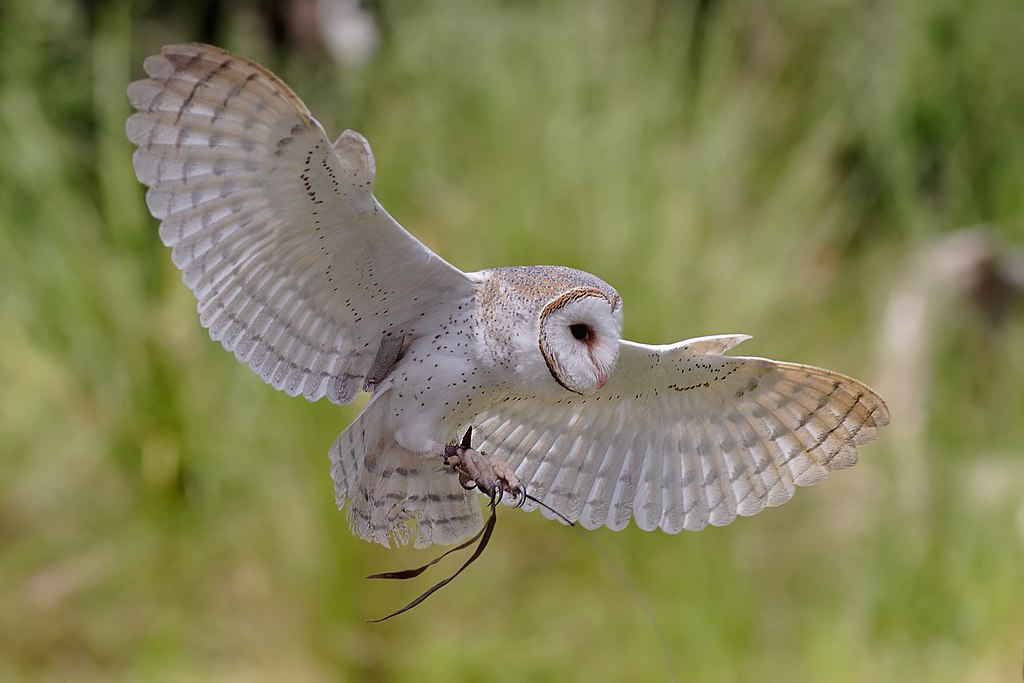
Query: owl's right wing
pixel 297 268
pixel 683 436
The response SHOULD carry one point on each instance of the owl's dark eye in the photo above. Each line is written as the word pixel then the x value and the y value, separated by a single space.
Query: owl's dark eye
pixel 580 331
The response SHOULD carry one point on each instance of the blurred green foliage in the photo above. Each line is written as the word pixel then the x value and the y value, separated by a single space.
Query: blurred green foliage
pixel 780 168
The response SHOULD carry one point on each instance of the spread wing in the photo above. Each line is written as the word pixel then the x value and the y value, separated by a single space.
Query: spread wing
pixel 297 269
pixel 683 436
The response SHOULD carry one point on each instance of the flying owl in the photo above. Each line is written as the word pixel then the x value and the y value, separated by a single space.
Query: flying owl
pixel 303 275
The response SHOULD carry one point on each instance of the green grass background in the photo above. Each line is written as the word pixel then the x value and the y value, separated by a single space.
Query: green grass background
pixel 775 167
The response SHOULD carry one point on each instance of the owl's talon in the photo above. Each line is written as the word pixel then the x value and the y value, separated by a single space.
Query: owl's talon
pixel 521 500
pixel 492 476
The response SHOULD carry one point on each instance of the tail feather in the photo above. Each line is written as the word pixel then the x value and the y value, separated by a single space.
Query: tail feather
pixel 395 496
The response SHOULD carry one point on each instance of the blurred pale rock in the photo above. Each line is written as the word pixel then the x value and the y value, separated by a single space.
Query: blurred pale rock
pixel 965 272
pixel 349 32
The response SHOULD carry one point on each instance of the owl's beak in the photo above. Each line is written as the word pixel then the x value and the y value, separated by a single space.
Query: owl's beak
pixel 602 374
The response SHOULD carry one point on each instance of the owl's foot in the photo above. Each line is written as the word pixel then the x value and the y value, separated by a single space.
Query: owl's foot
pixel 478 470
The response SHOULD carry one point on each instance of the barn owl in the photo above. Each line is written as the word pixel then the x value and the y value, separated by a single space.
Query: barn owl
pixel 303 275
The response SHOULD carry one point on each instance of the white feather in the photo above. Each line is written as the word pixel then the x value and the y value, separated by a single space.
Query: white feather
pixel 275 227
pixel 683 436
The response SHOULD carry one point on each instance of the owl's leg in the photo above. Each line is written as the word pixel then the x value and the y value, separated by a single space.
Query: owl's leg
pixel 478 470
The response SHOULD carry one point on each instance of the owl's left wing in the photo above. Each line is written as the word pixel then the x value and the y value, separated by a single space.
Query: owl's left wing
pixel 683 436
pixel 297 268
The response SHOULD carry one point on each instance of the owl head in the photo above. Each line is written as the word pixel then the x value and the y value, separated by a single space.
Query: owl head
pixel 571 317
pixel 579 337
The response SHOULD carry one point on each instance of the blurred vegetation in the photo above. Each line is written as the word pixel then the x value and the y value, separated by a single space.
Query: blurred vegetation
pixel 781 168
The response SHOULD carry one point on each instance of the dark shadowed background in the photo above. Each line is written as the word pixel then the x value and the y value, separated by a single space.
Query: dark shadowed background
pixel 843 180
